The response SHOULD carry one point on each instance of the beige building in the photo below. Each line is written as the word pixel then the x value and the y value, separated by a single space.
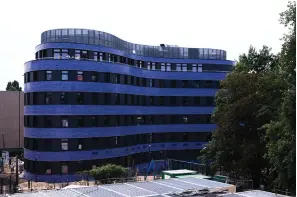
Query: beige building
pixel 11 120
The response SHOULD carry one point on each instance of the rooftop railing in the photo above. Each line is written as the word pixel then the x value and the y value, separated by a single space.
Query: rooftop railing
pixel 92 37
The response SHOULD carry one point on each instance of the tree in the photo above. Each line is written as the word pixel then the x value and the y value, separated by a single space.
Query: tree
pixel 281 133
pixel 245 103
pixel 105 173
pixel 256 116
pixel 13 86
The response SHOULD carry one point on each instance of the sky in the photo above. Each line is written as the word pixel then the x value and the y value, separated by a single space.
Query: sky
pixel 231 25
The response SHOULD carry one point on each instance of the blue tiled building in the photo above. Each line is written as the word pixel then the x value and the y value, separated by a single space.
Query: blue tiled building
pixel 92 98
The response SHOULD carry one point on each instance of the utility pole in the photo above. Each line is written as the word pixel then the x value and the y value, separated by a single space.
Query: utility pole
pixel 19 119
pixel 17 173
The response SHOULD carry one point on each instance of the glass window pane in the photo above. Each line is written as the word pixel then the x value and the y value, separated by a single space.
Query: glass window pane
pixel 64 75
pixel 178 67
pixel 64 122
pixel 48 75
pixel 79 76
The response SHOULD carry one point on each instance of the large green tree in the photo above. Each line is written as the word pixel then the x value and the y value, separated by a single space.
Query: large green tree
pixel 281 133
pixel 256 116
pixel 13 86
pixel 243 105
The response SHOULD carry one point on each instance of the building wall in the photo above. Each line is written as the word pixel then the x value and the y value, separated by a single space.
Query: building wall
pixel 96 100
pixel 12 119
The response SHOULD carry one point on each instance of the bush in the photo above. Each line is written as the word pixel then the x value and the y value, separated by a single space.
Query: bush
pixel 107 172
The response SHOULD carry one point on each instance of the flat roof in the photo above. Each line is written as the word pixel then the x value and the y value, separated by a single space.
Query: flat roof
pixel 156 188
pixel 199 176
pixel 182 171
pixel 136 189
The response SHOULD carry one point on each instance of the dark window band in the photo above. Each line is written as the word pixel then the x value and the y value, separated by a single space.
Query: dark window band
pixel 95 98
pixel 98 143
pixel 90 76
pixel 112 120
pixel 81 54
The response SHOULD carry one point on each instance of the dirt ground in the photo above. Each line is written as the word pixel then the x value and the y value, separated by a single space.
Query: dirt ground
pixel 48 186
pixel 24 186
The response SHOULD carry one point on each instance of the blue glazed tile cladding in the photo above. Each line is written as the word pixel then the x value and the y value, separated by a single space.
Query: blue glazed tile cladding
pixel 114 88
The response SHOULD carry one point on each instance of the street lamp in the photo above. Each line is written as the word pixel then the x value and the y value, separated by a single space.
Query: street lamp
pixel 149 147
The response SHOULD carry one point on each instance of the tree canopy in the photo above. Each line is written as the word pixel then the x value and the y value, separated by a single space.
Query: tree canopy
pixel 256 116
pixel 281 132
pixel 109 171
pixel 13 86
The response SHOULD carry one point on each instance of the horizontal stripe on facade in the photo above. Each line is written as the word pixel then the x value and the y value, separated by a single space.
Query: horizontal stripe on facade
pixel 67 86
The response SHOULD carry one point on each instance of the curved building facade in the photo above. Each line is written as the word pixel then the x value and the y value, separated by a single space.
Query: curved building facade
pixel 92 99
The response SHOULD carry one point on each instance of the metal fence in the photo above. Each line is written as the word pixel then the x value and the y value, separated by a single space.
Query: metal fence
pixel 174 164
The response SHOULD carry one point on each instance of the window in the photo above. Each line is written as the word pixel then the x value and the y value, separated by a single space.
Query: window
pixel 77 54
pixel 64 122
pixel 48 75
pixel 64 76
pixel 113 78
pixel 84 55
pixel 185 119
pixel 100 56
pixel 163 67
pixel 178 67
pixel 63 99
pixel 80 121
pixel 35 76
pixel 94 121
pixel 95 56
pixel 48 171
pixel 148 65
pixel 185 68
pixel 64 144
pixel 199 67
pixel 139 64
pixel 48 98
pixel 64 169
pixel 153 66
pixel 150 83
pixel 185 101
pixel 48 121
pixel 56 53
pixel 79 76
pixel 94 98
pixel 194 67
pixel 139 120
pixel 79 98
pixel 168 67
pixel 94 76
pixel 65 54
